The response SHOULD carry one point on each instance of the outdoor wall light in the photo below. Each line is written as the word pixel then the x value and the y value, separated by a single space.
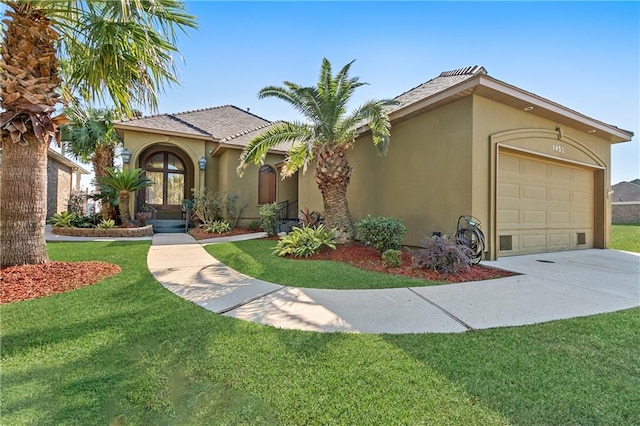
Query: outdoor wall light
pixel 529 108
pixel 202 162
pixel 126 156
pixel 592 131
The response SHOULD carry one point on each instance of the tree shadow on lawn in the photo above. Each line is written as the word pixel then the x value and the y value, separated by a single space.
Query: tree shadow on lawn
pixel 575 371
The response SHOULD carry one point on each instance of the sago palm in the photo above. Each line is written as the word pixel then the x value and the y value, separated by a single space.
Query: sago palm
pixel 121 51
pixel 328 132
pixel 125 182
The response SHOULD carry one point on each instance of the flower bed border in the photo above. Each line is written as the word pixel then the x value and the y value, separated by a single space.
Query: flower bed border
pixel 143 231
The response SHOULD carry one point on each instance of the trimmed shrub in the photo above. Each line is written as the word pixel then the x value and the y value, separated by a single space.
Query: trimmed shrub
pixel 254 225
pixel 392 258
pixel 305 241
pixel 269 213
pixel 207 206
pixel 444 255
pixel 217 227
pixel 63 219
pixel 381 233
pixel 107 224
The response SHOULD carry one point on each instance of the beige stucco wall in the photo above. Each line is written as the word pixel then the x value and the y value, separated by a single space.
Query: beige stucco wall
pixel 425 179
pixel 246 187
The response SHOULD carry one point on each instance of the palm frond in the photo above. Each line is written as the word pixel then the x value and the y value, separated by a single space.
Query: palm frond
pixel 297 158
pixel 280 133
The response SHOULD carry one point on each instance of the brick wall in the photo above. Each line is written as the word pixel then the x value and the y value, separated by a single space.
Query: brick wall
pixel 58 187
pixel 625 212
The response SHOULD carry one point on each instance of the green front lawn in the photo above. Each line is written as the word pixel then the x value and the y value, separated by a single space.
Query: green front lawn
pixel 625 237
pixel 127 351
pixel 254 258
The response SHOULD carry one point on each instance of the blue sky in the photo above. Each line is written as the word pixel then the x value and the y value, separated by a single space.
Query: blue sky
pixel 584 55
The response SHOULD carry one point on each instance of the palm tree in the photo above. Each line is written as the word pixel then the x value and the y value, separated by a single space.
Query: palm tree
pixel 325 138
pixel 125 182
pixel 91 137
pixel 120 50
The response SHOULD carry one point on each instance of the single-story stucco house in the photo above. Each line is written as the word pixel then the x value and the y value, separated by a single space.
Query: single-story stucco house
pixel 536 173
pixel 200 149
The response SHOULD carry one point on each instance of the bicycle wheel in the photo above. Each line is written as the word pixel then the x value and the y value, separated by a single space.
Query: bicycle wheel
pixel 472 238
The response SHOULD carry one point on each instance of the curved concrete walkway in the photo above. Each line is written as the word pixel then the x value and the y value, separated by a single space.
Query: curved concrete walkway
pixel 553 286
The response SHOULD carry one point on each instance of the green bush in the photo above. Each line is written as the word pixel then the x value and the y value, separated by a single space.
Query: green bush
pixel 381 233
pixel 107 224
pixel 392 258
pixel 444 255
pixel 305 241
pixel 254 225
pixel 233 209
pixel 218 227
pixel 269 213
pixel 207 206
pixel 63 220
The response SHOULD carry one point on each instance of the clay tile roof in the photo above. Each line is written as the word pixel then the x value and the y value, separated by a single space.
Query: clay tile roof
pixel 218 122
pixel 445 80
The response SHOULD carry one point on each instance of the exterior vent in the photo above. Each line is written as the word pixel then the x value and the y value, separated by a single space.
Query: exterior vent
pixel 582 238
pixel 474 70
pixel 506 242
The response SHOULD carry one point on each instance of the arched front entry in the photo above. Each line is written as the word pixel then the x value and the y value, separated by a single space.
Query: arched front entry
pixel 172 175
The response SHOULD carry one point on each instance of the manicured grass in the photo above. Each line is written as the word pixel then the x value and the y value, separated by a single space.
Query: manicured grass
pixel 127 351
pixel 254 258
pixel 625 237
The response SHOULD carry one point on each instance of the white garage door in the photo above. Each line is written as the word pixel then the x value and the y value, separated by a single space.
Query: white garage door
pixel 543 206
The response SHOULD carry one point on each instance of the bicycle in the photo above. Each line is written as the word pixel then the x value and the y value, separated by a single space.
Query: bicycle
pixel 469 234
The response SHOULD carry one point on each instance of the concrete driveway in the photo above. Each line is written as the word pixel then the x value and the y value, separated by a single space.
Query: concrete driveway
pixel 551 286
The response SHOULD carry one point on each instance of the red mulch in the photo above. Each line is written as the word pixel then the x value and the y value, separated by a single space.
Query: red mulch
pixel 368 258
pixel 199 234
pixel 32 281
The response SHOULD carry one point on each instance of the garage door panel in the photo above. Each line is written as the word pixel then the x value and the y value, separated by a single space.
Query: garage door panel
pixel 559 218
pixel 533 243
pixel 534 218
pixel 553 204
pixel 536 193
pixel 558 240
pixel 533 169
pixel 556 194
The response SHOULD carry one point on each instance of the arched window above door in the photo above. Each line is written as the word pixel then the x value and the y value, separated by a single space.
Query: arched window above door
pixel 266 185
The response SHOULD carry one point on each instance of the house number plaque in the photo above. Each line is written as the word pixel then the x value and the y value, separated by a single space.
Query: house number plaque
pixel 558 148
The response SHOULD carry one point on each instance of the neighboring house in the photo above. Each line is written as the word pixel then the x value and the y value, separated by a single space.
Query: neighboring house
pixel 625 202
pixel 200 149
pixel 536 173
pixel 63 178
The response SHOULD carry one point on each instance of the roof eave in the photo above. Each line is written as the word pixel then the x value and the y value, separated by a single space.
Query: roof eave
pixel 123 127
pixel 483 85
pixel 67 162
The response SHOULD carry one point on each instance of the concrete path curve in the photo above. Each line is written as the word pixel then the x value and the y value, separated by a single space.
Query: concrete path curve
pixel 552 286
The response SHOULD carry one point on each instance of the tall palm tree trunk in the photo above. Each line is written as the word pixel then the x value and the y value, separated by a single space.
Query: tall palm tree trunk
pixel 24 173
pixel 101 160
pixel 29 80
pixel 333 174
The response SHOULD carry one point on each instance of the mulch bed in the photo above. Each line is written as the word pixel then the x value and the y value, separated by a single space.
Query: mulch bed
pixel 30 281
pixel 368 258
pixel 199 234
